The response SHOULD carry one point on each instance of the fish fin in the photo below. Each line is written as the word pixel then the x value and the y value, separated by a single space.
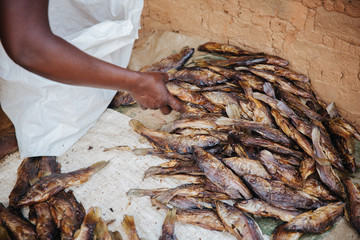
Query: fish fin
pixel 99 165
pixel 269 90
pixel 241 68
pixel 159 205
pixel 128 224
pixel 332 110
pixel 170 217
pixel 146 151
pixel 93 215
pixel 233 111
pixel 323 161
pixel 137 126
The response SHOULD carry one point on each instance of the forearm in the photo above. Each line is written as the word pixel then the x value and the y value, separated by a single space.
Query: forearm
pixel 62 62
pixel 29 41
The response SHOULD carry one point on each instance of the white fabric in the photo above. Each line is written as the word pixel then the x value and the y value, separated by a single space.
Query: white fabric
pixel 49 117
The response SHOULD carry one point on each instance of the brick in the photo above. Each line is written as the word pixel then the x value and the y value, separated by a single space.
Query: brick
pixel 344 27
pixel 328 41
pixel 292 11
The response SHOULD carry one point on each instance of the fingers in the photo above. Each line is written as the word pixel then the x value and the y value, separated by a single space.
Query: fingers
pixel 142 107
pixel 176 104
pixel 165 110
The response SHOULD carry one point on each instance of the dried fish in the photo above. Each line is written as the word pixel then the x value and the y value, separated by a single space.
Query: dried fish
pixel 282 83
pixel 198 76
pixel 52 184
pixel 19 228
pixel 281 234
pixel 279 195
pixel 220 175
pixel 174 142
pixel 227 49
pixel 205 218
pixel 286 173
pixel 237 223
pixel 257 142
pixel 186 203
pixel 168 227
pixel 353 203
pixel 326 173
pixel 67 213
pixel 314 187
pixel 291 132
pixel 266 132
pixel 179 167
pixel 122 98
pixel 27 170
pixel 316 221
pixel 283 72
pixel 176 61
pixel 307 167
pixel 261 208
pixel 242 166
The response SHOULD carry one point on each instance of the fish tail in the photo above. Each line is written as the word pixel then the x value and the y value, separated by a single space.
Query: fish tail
pixel 137 126
pixel 93 216
pixel 128 224
pixel 170 217
pixel 98 166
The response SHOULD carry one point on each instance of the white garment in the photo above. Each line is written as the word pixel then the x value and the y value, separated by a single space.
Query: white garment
pixel 49 117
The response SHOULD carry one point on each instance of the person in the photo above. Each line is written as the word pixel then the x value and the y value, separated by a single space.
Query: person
pixel 29 41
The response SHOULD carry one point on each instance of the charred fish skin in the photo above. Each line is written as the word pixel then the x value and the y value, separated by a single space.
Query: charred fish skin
pixel 220 175
pixel 283 72
pixel 19 228
pixel 314 187
pixel 281 234
pixel 326 173
pixel 174 142
pixel 237 223
pixel 205 218
pixel 67 213
pixel 4 235
pixel 258 207
pixel 227 49
pixel 316 221
pixel 286 173
pixel 279 195
pixel 52 184
pixel 353 203
pixel 168 227
pixel 173 61
pixel 243 166
pixel 27 170
pixel 291 132
pixel 257 142
pixel 199 76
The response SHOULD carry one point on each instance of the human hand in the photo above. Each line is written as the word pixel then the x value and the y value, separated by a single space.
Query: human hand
pixel 151 92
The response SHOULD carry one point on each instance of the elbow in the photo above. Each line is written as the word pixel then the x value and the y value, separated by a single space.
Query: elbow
pixel 22 53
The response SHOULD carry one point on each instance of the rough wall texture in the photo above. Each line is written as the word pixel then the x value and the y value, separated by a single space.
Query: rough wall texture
pixel 320 38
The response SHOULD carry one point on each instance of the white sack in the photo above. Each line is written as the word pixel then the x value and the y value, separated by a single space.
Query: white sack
pixel 49 117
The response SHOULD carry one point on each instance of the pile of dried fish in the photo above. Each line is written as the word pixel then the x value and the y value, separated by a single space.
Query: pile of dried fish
pixel 255 140
pixel 54 213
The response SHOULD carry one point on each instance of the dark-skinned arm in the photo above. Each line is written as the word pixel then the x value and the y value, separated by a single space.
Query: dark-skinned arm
pixel 28 40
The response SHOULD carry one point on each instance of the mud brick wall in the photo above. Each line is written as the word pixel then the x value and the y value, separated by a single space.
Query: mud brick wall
pixel 320 38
